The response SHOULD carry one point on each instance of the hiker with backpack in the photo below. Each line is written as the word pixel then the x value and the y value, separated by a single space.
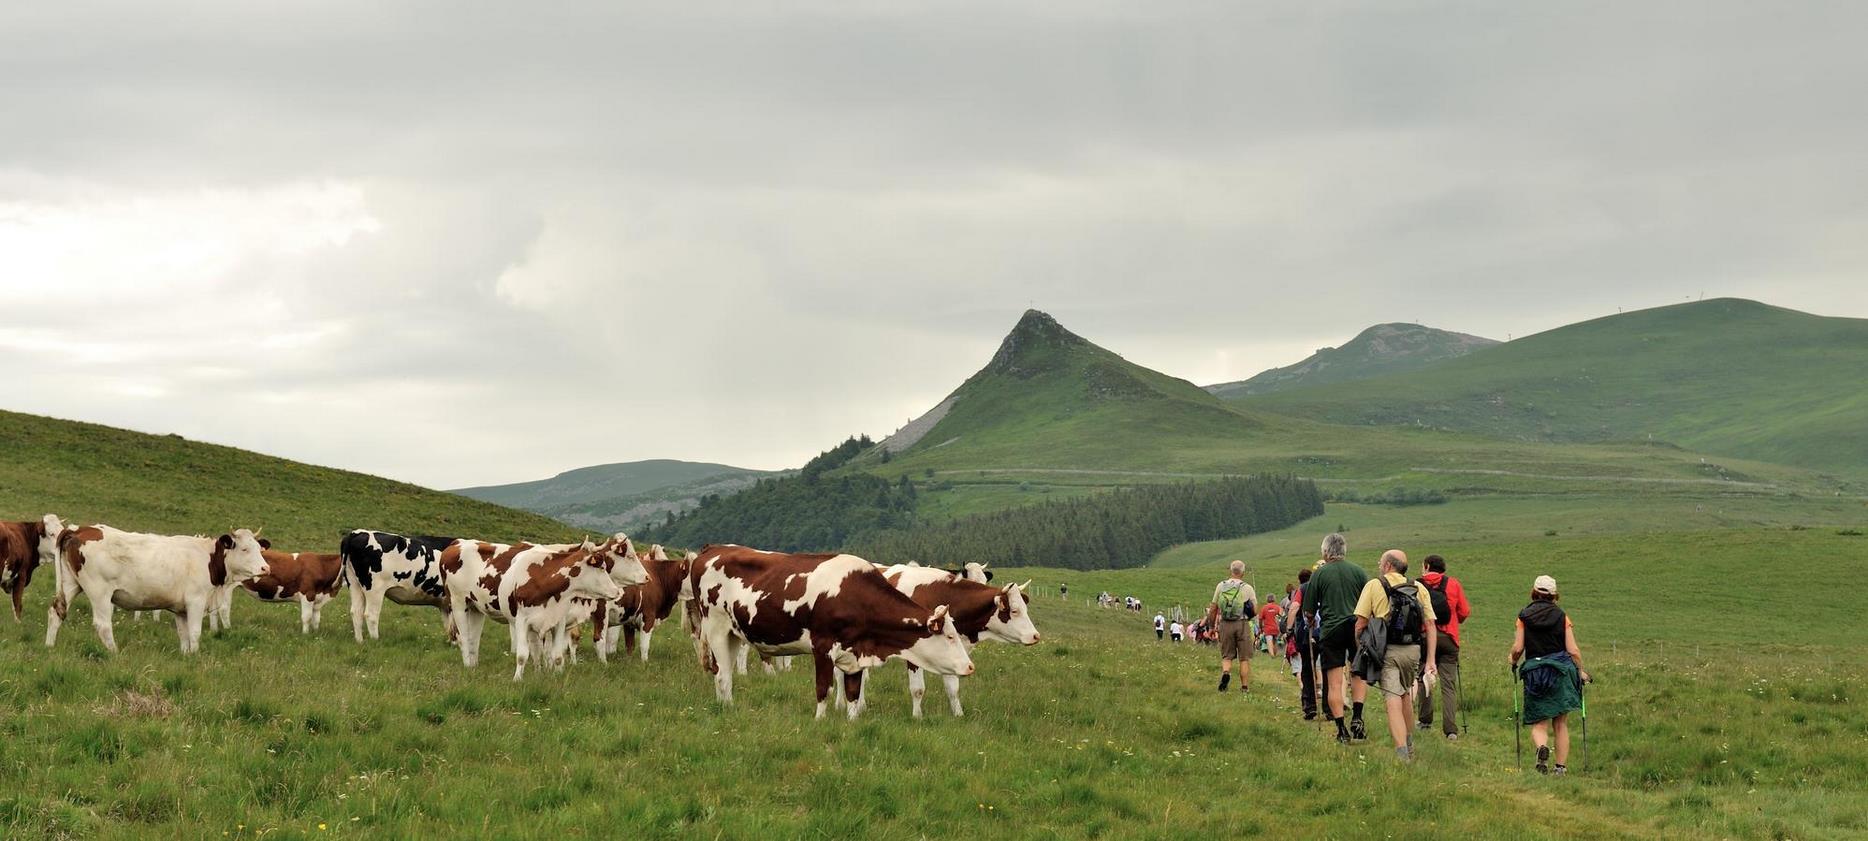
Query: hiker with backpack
pixel 1393 624
pixel 1448 599
pixel 1234 603
pixel 1333 591
pixel 1552 673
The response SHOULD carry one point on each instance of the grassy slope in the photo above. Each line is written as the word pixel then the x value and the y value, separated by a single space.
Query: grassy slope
pixel 1380 350
pixel 1050 403
pixel 89 473
pixel 1727 376
pixel 1099 732
pixel 602 483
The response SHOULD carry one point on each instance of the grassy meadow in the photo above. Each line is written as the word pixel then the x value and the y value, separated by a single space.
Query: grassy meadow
pixel 1727 705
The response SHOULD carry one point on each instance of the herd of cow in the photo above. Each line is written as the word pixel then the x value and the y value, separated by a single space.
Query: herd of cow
pixel 847 614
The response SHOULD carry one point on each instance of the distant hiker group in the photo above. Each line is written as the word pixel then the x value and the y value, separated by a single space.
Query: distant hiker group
pixel 1342 631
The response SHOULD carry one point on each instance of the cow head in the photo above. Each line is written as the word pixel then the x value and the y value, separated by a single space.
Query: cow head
pixel 620 559
pixel 977 572
pixel 591 577
pixel 942 651
pixel 1011 617
pixel 241 553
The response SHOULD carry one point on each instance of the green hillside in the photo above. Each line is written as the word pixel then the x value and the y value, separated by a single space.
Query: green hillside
pixel 622 497
pixel 1378 351
pixel 163 483
pixel 1731 377
pixel 1051 408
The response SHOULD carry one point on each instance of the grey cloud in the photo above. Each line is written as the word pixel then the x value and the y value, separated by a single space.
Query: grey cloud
pixel 824 217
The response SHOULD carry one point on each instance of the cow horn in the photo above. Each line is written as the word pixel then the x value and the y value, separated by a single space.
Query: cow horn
pixel 1027 584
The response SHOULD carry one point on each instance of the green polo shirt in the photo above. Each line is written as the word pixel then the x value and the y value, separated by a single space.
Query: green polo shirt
pixel 1334 590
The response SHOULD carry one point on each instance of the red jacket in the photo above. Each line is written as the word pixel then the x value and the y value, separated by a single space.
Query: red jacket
pixel 1455 599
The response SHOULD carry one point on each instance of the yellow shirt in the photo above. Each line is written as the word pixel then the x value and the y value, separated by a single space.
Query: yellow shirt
pixel 1373 603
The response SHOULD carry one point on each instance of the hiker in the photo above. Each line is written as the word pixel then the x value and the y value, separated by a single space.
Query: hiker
pixel 1303 638
pixel 1233 602
pixel 1450 608
pixel 1268 626
pixel 1160 626
pixel 1552 672
pixel 1393 623
pixel 1063 591
pixel 1174 631
pixel 1333 591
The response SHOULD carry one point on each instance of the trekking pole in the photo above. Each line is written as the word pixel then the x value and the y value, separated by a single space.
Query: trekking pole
pixel 1517 716
pixel 1584 697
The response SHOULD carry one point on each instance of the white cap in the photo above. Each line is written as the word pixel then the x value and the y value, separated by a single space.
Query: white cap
pixel 1544 584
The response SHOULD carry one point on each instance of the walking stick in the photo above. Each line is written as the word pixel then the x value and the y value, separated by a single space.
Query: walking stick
pixel 1585 713
pixel 1517 716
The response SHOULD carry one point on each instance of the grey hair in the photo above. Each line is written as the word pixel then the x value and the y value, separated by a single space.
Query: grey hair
pixel 1335 548
pixel 1236 567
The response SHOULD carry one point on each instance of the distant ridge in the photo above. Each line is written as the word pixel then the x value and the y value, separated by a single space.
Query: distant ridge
pixel 1725 376
pixel 1381 350
pixel 609 483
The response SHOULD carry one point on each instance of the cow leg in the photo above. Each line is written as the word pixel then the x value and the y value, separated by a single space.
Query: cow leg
pixel 853 691
pixel 471 624
pixel 628 633
pixel 739 658
pixel 195 611
pixel 317 611
pixel 784 663
pixel 101 610
pixel 953 693
pixel 223 608
pixel 645 643
pixel 917 687
pixel 356 610
pixel 720 656
pixel 61 602
pixel 304 614
pixel 560 645
pixel 766 662
pixel 521 639
pixel 826 672
pixel 373 612
pixel 180 618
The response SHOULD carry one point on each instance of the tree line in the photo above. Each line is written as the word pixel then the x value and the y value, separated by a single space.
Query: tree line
pixel 1121 528
pixel 875 517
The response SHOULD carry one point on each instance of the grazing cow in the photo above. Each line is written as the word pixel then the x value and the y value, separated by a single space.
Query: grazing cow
pixel 379 565
pixel 979 611
pixel 135 571
pixel 634 615
pixel 309 578
pixel 836 608
pixel 24 546
pixel 532 588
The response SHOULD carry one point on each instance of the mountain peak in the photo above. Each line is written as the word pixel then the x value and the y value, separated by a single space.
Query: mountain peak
pixel 1027 350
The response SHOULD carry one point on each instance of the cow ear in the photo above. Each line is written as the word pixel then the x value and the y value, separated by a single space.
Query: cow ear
pixel 264 543
pixel 225 542
pixel 938 621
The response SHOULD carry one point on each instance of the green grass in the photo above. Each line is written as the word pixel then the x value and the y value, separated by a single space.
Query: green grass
pixel 1098 733
pixel 88 473
pixel 1732 377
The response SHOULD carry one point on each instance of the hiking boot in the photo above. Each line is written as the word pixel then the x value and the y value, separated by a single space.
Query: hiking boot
pixel 1357 732
pixel 1244 689
pixel 1543 760
pixel 1405 753
pixel 1310 715
pixel 1342 738
pixel 1452 737
pixel 1225 680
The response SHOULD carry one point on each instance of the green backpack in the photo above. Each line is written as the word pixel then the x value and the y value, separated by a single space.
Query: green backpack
pixel 1233 605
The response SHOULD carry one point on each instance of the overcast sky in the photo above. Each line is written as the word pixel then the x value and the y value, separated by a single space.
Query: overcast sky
pixel 459 244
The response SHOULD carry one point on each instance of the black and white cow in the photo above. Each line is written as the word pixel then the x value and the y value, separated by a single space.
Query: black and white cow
pixel 381 565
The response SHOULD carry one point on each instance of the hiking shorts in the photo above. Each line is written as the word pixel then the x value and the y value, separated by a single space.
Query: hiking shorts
pixel 1235 639
pixel 1400 669
pixel 1336 646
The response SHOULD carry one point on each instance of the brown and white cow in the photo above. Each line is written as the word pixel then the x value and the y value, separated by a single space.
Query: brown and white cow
pixel 837 608
pixel 979 611
pixel 309 578
pixel 632 616
pixel 24 546
pixel 135 571
pixel 532 588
